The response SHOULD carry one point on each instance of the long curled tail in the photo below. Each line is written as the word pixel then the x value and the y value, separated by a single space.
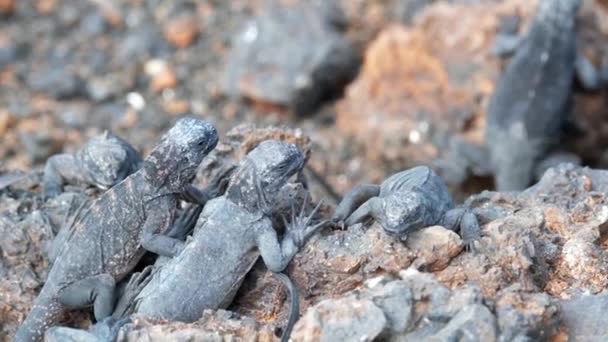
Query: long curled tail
pixel 45 312
pixel 294 311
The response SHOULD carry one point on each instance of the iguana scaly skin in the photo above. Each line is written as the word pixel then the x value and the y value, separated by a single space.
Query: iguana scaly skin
pixel 103 161
pixel 405 202
pixel 531 105
pixel 528 109
pixel 108 239
pixel 230 234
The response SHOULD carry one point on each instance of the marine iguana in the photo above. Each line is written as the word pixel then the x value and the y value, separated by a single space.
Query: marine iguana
pixel 230 234
pixel 103 161
pixel 531 104
pixel 109 237
pixel 405 202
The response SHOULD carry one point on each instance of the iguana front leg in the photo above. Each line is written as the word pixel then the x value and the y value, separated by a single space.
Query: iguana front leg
pixel 354 200
pixel 58 168
pixel 217 186
pixel 277 255
pixel 185 223
pixel 464 221
pixel 371 208
pixel 159 220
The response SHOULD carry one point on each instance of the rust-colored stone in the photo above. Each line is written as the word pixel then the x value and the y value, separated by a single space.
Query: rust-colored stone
pixel 181 30
pixel 7 7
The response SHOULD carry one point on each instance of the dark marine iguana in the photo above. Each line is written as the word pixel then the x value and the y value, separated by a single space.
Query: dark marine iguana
pixel 103 161
pixel 405 202
pixel 230 235
pixel 109 237
pixel 531 104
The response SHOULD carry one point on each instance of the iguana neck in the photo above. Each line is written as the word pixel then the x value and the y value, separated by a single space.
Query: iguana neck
pixel 245 189
pixel 164 172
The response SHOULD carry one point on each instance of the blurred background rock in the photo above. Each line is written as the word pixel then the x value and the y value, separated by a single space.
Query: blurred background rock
pixel 377 86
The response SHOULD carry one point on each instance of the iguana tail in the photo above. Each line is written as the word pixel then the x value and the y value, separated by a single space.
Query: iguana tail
pixel 45 312
pixel 294 311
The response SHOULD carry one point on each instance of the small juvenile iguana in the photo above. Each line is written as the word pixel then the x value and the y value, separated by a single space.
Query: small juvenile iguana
pixel 405 202
pixel 530 106
pixel 103 161
pixel 109 237
pixel 230 234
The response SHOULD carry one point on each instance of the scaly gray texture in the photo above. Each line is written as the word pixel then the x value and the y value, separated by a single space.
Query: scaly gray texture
pixel 531 105
pixel 528 109
pixel 103 161
pixel 230 234
pixel 405 202
pixel 109 237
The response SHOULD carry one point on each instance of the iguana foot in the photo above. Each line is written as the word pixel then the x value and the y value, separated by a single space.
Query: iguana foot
pixel 136 284
pixel 299 227
pixel 465 222
pixel 185 222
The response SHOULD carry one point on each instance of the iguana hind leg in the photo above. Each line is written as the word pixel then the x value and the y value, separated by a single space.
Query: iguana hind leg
pixel 136 284
pixel 465 222
pixel 98 291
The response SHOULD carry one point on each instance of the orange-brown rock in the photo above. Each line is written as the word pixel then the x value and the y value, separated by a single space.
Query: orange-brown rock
pixel 162 76
pixel 423 83
pixel 7 7
pixel 181 30
pixel 434 247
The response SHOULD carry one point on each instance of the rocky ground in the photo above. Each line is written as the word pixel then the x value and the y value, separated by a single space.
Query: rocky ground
pixel 366 87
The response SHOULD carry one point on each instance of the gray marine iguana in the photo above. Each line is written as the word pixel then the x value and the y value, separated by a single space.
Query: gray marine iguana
pixel 405 202
pixel 108 238
pixel 103 161
pixel 531 104
pixel 231 233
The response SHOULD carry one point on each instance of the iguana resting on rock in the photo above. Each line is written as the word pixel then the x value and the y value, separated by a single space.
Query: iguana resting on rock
pixel 531 105
pixel 230 235
pixel 108 238
pixel 405 202
pixel 103 161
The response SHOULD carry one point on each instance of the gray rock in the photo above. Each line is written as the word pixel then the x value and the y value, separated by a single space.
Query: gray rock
pixel 94 23
pixel 38 147
pixel 473 323
pixel 292 56
pixel 418 307
pixel 396 302
pixel 346 319
pixel 585 318
pixel 60 83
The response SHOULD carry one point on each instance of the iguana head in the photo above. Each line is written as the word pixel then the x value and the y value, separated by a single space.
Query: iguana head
pixel 263 172
pixel 106 160
pixel 400 213
pixel 174 161
pixel 558 9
